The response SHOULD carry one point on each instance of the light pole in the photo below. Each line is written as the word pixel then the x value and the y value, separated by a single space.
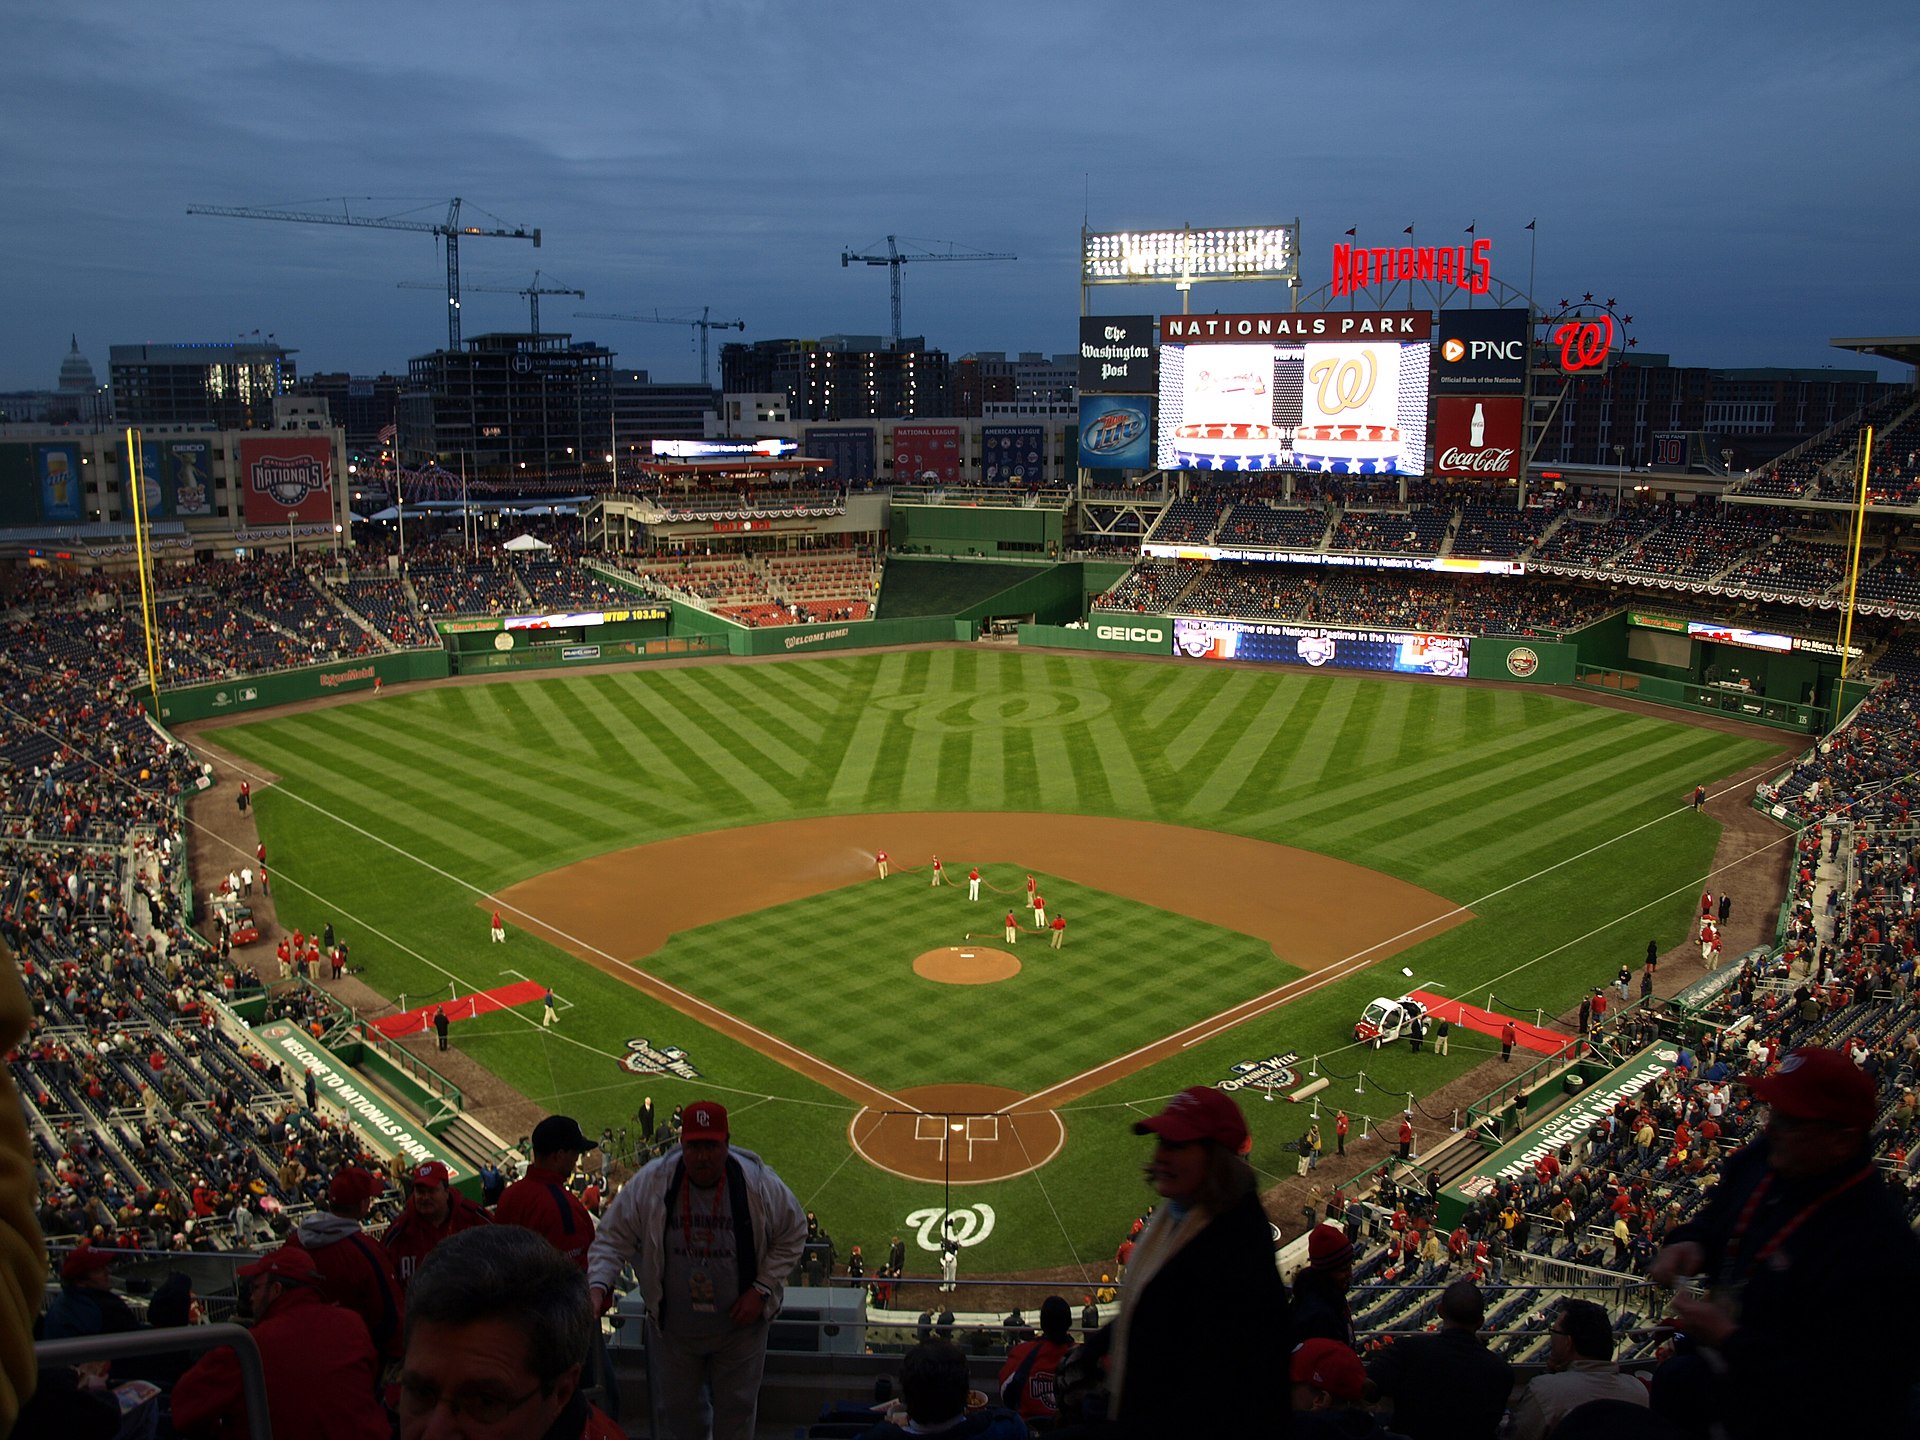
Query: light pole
pixel 1619 474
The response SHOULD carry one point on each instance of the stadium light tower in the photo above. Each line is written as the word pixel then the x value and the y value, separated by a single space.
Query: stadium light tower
pixel 1187 257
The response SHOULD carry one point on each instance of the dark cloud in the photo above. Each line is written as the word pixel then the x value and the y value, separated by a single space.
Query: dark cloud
pixel 1740 176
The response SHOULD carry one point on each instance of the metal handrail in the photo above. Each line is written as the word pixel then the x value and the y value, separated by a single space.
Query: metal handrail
pixel 140 1344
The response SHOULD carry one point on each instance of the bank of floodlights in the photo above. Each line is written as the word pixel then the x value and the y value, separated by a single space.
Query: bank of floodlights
pixel 1190 257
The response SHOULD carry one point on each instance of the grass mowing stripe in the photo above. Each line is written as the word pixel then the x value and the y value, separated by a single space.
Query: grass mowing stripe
pixel 1202 723
pixel 549 705
pixel 798 709
pixel 541 785
pixel 1321 748
pixel 613 697
pixel 642 768
pixel 1259 721
pixel 421 829
pixel 920 781
pixel 1056 780
pixel 1126 786
pixel 1399 728
pixel 862 729
pixel 1022 771
pixel 736 787
pixel 753 725
pixel 1473 769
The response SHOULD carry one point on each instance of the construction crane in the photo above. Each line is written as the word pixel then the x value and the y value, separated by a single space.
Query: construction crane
pixel 895 258
pixel 449 230
pixel 703 325
pixel 533 293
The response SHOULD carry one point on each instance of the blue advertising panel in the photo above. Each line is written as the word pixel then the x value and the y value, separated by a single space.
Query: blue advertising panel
pixel 1013 454
pixel 156 483
pixel 1116 432
pixel 188 482
pixel 851 452
pixel 58 467
pixel 1402 651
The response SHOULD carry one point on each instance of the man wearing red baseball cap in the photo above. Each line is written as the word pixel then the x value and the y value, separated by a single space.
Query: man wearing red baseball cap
pixel 1204 1312
pixel 87 1303
pixel 354 1270
pixel 712 1234
pixel 434 1211
pixel 321 1367
pixel 1809 1263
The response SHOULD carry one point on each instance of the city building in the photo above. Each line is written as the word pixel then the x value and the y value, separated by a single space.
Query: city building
pixel 1656 412
pixel 230 385
pixel 841 377
pixel 1030 381
pixel 77 399
pixel 512 409
pixel 645 410
pixel 361 405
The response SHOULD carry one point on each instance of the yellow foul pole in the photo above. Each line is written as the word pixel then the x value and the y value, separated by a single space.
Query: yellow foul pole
pixel 137 490
pixel 1853 561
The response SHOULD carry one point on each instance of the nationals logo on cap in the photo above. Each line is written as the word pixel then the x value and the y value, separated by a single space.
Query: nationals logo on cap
pixel 703 1120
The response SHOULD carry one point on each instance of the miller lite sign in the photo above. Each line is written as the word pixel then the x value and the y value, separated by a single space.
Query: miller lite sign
pixel 1477 436
pixel 286 477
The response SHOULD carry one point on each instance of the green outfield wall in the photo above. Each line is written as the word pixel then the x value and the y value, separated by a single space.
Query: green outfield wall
pixel 1538 662
pixel 1130 634
pixel 312 682
pixel 975 529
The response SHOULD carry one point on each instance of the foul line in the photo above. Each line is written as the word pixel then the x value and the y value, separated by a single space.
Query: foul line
pixel 689 1005
pixel 1352 964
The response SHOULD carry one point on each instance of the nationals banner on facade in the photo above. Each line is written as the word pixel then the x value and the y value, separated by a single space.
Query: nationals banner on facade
pixel 926 454
pixel 286 477
pixel 1477 435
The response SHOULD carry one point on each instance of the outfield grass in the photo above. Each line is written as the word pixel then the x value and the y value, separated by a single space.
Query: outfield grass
pixel 395 814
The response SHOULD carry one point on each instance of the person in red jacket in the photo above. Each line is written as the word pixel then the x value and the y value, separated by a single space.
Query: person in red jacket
pixel 1027 1378
pixel 1406 1136
pixel 540 1199
pixel 354 1271
pixel 322 1371
pixel 434 1211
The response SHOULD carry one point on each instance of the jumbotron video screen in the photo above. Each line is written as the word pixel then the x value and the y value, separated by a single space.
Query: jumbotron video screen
pixel 1344 392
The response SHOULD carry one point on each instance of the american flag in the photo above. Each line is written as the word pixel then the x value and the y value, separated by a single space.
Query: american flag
pixel 387 434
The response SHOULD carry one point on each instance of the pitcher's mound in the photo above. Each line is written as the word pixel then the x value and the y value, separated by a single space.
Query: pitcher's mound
pixel 966 965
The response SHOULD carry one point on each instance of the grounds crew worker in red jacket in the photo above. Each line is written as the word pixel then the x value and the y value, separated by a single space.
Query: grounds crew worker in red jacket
pixel 713 1234
pixel 540 1199
pixel 434 1211
pixel 321 1368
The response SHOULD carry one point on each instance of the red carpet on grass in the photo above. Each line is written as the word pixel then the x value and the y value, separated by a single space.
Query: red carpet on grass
pixel 412 1022
pixel 1472 1017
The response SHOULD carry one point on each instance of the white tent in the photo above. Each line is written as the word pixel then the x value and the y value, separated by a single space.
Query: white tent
pixel 525 542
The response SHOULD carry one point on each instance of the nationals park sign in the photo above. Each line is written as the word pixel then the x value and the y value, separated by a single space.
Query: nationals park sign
pixel 371 1115
pixel 1569 1123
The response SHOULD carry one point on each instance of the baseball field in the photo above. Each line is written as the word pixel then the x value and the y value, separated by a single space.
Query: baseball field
pixel 1244 857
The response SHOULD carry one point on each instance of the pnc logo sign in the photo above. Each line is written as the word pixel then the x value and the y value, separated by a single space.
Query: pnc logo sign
pixel 1139 633
pixel 1455 350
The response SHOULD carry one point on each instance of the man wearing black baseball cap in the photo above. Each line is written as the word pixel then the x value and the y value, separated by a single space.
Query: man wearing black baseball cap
pixel 540 1199
pixel 1809 1264
pixel 712 1234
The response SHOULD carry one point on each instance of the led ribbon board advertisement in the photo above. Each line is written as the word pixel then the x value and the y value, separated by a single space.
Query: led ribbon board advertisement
pixel 1337 391
pixel 1395 650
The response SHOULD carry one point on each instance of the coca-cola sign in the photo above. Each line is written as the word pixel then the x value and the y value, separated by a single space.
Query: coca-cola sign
pixel 1478 462
pixel 1478 436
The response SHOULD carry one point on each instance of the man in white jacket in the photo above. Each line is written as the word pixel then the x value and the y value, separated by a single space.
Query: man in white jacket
pixel 712 1234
